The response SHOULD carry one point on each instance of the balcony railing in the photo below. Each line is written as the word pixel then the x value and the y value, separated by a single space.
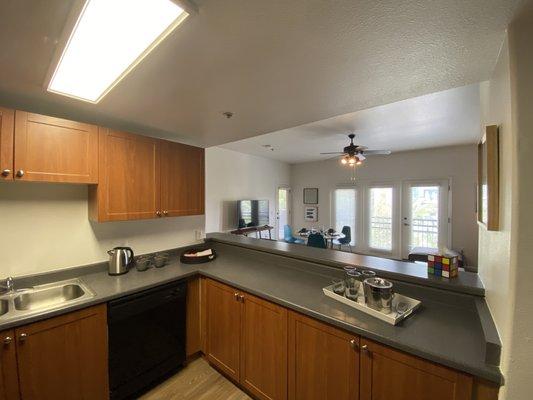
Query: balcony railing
pixel 424 232
pixel 381 233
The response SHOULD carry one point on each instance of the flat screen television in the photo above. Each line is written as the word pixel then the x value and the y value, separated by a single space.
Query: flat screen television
pixel 252 213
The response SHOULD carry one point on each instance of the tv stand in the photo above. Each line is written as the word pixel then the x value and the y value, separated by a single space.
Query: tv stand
pixel 254 229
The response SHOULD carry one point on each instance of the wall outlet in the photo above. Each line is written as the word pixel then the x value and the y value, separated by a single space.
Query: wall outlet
pixel 199 234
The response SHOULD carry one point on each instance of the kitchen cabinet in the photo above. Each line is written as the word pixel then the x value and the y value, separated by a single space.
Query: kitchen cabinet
pixel 323 361
pixel 7 126
pixel 64 357
pixel 142 177
pixel 49 149
pixel 9 385
pixel 388 374
pixel 247 340
pixel 223 328
pixel 182 179
pixel 129 178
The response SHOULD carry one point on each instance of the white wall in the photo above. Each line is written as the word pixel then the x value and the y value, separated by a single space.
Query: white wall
pixel 232 176
pixel 46 227
pixel 457 163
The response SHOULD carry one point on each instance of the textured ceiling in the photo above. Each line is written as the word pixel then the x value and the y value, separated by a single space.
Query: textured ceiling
pixel 447 118
pixel 276 64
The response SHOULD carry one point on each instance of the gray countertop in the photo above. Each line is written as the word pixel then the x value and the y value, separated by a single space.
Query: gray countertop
pixel 447 329
pixel 466 282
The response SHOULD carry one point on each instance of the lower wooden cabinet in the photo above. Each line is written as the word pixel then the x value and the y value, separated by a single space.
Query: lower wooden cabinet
pixel 9 385
pixel 388 374
pixel 59 358
pixel 274 354
pixel 323 361
pixel 247 340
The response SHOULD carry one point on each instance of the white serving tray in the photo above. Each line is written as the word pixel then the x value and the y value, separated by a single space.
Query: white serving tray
pixel 393 318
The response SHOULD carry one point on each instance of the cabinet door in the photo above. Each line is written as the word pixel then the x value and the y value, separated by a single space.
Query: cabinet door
pixel 223 328
pixel 323 361
pixel 387 374
pixel 264 349
pixel 182 179
pixel 129 184
pixel 64 357
pixel 49 149
pixel 7 124
pixel 9 384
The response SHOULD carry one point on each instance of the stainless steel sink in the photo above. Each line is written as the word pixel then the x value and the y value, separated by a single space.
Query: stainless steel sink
pixel 48 297
pixel 43 298
pixel 4 307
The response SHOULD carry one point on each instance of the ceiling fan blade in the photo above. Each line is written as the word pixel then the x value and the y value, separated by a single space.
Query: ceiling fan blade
pixel 361 157
pixel 334 152
pixel 376 152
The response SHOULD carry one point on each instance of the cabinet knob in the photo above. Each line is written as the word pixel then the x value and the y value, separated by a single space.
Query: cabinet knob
pixel 165 212
pixel 20 173
pixel 6 172
pixel 353 344
pixel 236 295
pixel 364 348
pixel 158 213
pixel 241 298
pixel 23 337
pixel 8 340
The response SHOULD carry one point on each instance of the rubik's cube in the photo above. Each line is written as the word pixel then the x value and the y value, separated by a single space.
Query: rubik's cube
pixel 446 267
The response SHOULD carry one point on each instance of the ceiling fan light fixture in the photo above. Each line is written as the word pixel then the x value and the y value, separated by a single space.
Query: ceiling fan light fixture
pixel 344 161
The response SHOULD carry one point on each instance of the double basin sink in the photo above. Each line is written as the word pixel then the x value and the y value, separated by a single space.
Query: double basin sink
pixel 42 298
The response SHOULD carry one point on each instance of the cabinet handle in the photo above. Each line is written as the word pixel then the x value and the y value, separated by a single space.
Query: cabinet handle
pixel 353 344
pixel 6 172
pixel 8 340
pixel 23 337
pixel 165 212
pixel 158 213
pixel 20 173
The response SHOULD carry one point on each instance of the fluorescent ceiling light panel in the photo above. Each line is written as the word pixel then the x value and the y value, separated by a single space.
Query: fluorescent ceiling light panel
pixel 110 38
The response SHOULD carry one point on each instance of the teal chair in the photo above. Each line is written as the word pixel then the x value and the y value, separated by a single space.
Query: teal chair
pixel 317 240
pixel 287 235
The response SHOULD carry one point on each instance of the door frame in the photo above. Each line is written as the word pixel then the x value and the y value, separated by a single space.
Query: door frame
pixel 289 208
pixel 445 211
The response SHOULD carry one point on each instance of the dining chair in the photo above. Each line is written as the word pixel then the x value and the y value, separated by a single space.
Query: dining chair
pixel 288 237
pixel 317 240
pixel 346 240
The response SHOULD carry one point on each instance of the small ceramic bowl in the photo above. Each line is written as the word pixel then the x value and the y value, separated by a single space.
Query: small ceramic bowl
pixel 143 263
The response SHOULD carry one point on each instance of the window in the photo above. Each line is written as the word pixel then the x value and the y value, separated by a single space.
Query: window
pixel 109 39
pixel 380 221
pixel 424 216
pixel 345 203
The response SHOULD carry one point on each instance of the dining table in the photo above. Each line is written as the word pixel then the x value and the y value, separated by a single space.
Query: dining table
pixel 328 236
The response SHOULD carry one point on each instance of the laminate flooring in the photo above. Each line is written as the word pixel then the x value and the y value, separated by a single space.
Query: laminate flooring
pixel 197 381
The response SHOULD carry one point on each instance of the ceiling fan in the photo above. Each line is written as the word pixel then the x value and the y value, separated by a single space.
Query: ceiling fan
pixel 354 154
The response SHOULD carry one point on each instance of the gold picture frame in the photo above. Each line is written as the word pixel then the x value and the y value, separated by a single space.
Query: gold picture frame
pixel 488 187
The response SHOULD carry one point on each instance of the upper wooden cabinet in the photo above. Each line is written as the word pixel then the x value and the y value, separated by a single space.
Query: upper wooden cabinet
pixel 323 361
pixel 182 179
pixel 129 178
pixel 49 149
pixel 388 374
pixel 7 126
pixel 142 177
pixel 9 384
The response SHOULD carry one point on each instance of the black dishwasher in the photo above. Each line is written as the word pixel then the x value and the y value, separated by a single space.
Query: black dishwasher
pixel 146 338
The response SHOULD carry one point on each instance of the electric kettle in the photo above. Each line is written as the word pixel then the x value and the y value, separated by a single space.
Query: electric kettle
pixel 121 258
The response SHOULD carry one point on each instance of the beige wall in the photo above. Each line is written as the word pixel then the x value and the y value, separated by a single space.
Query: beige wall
pixel 504 256
pixel 232 176
pixel 45 227
pixel 457 163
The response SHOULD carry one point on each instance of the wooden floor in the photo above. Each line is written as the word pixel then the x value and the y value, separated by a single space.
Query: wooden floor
pixel 197 381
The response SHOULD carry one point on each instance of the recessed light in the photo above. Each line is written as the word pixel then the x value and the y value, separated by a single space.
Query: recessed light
pixel 109 39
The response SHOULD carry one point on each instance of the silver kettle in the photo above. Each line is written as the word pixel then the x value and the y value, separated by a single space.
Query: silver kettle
pixel 121 258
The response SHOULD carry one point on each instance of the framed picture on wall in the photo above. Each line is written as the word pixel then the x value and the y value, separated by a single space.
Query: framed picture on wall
pixel 310 195
pixel 311 214
pixel 488 186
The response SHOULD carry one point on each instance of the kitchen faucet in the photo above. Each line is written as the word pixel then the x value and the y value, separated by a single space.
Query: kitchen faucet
pixel 7 286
